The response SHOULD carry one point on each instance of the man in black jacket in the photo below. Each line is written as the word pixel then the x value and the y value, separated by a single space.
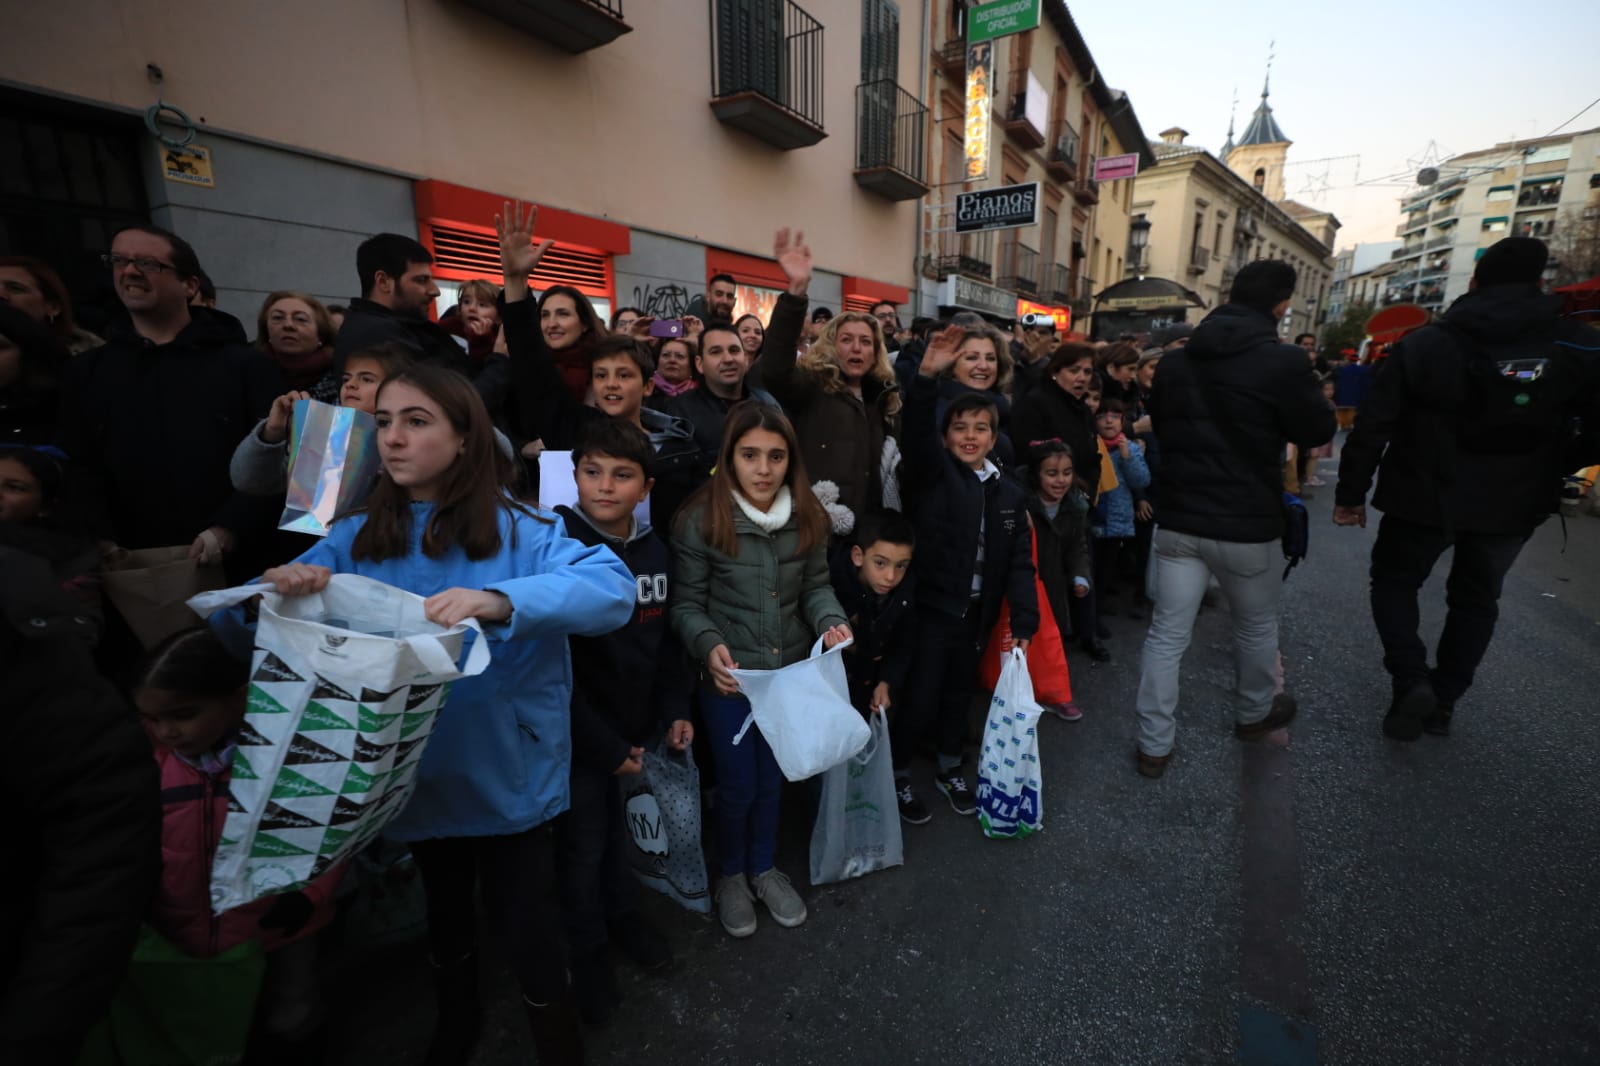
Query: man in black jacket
pixel 724 368
pixel 153 416
pixel 1469 427
pixel 397 291
pixel 1222 408
pixel 81 788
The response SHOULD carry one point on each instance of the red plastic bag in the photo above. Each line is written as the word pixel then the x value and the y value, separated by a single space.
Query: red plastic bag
pixel 1047 656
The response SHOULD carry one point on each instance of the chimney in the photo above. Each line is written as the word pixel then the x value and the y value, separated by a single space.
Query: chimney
pixel 1175 135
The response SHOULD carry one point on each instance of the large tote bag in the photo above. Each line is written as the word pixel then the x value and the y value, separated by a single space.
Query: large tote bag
pixel 662 805
pixel 150 588
pixel 345 685
pixel 1010 793
pixel 804 712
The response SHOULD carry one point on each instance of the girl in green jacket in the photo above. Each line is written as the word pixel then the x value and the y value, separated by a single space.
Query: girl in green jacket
pixel 752 591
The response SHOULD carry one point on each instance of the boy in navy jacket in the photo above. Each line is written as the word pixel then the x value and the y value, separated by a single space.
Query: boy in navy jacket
pixel 872 580
pixel 973 550
pixel 628 686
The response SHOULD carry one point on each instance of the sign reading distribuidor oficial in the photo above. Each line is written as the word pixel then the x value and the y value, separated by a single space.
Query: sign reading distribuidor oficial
pixel 1007 207
pixel 988 21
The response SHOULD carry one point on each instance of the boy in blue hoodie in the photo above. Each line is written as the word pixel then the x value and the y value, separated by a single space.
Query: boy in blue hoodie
pixel 974 550
pixel 628 686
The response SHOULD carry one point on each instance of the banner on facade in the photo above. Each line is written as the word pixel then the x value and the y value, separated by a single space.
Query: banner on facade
pixel 1116 167
pixel 1007 207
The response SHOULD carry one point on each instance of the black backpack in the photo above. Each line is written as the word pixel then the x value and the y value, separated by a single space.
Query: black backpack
pixel 1518 400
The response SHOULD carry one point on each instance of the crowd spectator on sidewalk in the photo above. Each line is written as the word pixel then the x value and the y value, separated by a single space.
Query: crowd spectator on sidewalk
pixel 31 287
pixel 476 318
pixel 723 365
pixel 1222 408
pixel 33 365
pixel 1466 458
pixel 296 332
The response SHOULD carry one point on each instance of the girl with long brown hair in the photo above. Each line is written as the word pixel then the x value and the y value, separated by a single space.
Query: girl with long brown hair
pixel 753 592
pixel 496 769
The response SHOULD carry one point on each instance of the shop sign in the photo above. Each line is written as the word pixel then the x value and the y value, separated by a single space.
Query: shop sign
pixel 1141 303
pixel 980 93
pixel 189 165
pixel 1116 167
pixel 960 291
pixel 988 21
pixel 1007 207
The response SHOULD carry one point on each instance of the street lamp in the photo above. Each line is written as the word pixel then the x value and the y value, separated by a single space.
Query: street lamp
pixel 1138 241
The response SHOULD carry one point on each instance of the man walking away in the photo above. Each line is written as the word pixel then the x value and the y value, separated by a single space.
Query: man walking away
pixel 1221 409
pixel 1470 426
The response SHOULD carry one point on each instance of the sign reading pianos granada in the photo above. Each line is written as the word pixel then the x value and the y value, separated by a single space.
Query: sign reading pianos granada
pixel 1007 207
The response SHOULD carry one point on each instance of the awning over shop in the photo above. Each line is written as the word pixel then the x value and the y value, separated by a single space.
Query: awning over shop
pixel 1147 295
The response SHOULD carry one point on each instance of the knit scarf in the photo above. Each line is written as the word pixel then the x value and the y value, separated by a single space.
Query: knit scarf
pixel 301 370
pixel 772 519
pixel 667 388
pixel 572 364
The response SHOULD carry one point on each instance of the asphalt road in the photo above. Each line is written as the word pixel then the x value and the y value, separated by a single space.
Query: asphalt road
pixel 1329 898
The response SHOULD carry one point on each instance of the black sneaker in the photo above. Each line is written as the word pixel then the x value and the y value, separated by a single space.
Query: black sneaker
pixel 592 987
pixel 1408 711
pixel 641 942
pixel 954 787
pixel 912 810
pixel 1097 651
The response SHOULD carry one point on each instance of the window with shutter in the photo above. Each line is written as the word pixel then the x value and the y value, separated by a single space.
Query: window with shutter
pixel 750 47
pixel 880 40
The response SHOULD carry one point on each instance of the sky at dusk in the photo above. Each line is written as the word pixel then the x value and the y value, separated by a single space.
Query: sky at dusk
pixel 1360 87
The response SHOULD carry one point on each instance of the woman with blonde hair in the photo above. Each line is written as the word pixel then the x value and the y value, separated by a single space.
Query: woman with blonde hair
pixel 841 393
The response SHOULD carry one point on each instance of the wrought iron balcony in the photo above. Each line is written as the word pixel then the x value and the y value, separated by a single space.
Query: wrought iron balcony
pixel 949 252
pixel 1199 260
pixel 951 57
pixel 570 25
pixel 1019 268
pixel 1016 123
pixel 1087 191
pixel 1059 287
pixel 766 70
pixel 890 127
pixel 1062 163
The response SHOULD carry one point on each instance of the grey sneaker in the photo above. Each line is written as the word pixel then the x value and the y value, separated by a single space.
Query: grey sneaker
pixel 736 908
pixel 774 889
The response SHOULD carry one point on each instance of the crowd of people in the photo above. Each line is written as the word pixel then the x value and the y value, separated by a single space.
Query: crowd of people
pixel 965 470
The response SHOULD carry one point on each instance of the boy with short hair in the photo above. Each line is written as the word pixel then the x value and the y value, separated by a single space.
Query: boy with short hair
pixel 628 686
pixel 873 582
pixel 974 549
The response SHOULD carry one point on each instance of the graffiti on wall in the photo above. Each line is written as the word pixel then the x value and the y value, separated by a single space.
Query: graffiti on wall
pixel 662 301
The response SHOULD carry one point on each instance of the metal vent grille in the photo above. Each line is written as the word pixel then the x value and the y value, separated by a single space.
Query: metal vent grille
pixel 479 254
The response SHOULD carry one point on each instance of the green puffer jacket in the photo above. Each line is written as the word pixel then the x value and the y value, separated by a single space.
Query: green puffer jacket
pixel 767 604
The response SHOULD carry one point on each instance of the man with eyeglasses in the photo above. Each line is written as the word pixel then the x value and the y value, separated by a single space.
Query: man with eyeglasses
pixel 888 316
pixel 153 415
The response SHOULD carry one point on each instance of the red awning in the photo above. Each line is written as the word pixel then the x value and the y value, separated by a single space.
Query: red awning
pixel 1592 285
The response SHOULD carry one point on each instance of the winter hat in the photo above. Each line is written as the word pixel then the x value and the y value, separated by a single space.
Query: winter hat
pixel 1513 261
pixel 1180 331
pixel 1150 355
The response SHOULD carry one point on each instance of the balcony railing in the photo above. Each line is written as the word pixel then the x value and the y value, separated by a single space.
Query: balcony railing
pixel 1439 242
pixel 949 252
pixel 1019 268
pixel 1087 191
pixel 766 70
pixel 1082 301
pixel 1062 162
pixel 1417 220
pixel 1406 252
pixel 890 126
pixel 1199 260
pixel 1058 283
pixel 951 57
pixel 571 25
pixel 1017 124
pixel 1544 194
pixel 1447 211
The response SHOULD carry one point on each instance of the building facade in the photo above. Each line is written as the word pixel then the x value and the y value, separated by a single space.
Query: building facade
pixel 1050 117
pixel 662 142
pixel 1535 188
pixel 1208 218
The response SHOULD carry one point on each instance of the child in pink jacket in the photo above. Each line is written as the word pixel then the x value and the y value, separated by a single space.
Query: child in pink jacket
pixel 191 693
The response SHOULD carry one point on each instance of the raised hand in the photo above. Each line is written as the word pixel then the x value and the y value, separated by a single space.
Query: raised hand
pixel 277 427
pixel 941 351
pixel 794 257
pixel 518 254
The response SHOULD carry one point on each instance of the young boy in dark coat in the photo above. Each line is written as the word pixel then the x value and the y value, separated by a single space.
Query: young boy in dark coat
pixel 872 579
pixel 628 686
pixel 974 550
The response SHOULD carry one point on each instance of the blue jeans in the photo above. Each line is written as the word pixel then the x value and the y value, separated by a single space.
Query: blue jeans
pixel 749 785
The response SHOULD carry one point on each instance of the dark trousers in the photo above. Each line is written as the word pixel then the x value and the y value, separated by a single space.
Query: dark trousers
pixel 944 676
pixel 516 877
pixel 1113 564
pixel 749 788
pixel 591 847
pixel 1402 559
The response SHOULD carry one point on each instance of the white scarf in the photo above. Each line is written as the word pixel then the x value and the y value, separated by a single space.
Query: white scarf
pixel 773 518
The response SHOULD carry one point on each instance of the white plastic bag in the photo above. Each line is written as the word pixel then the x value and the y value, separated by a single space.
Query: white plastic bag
pixel 345 685
pixel 662 808
pixel 804 712
pixel 858 820
pixel 1010 794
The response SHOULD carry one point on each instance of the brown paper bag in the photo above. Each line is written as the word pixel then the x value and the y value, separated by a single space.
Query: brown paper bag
pixel 148 587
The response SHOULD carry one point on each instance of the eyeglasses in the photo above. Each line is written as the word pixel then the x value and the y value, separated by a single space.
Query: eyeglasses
pixel 144 264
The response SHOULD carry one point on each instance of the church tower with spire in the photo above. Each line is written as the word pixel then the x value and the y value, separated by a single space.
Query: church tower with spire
pixel 1261 151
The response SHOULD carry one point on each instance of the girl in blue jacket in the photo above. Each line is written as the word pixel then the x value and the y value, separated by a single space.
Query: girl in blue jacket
pixel 495 771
